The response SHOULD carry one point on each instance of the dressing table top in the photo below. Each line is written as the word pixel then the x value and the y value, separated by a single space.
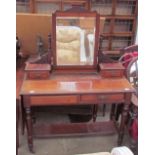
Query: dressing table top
pixel 76 84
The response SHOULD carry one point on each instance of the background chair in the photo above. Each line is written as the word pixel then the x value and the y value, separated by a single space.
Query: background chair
pixel 132 76
pixel 132 72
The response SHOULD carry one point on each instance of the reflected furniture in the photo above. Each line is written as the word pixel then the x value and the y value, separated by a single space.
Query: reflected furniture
pixel 75 79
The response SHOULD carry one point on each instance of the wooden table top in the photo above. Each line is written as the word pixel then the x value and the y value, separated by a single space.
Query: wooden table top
pixel 77 84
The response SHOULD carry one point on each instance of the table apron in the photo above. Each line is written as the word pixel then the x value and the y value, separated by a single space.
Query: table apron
pixel 79 99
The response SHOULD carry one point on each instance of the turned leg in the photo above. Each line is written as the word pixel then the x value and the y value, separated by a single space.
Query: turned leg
pixel 112 113
pixel 95 109
pixel 119 108
pixel 17 122
pixel 104 109
pixel 29 128
pixel 124 117
pixel 33 116
pixel 22 116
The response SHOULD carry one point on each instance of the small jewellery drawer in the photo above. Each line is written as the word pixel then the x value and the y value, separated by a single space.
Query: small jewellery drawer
pixel 113 73
pixel 111 70
pixel 37 74
pixel 37 71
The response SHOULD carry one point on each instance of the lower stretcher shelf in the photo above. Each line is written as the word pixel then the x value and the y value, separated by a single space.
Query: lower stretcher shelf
pixel 74 129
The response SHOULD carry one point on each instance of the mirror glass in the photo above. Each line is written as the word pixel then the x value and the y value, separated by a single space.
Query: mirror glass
pixel 75 39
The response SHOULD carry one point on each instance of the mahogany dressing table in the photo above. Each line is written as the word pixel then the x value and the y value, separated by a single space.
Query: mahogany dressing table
pixel 75 79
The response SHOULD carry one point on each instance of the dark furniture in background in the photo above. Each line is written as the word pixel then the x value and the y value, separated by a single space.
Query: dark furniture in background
pixel 18 56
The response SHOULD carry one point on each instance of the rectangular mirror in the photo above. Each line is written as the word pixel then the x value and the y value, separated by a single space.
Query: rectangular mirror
pixel 75 40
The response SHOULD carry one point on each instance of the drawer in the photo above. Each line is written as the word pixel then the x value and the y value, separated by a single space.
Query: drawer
pixel 111 70
pixel 54 100
pixel 103 98
pixel 112 73
pixel 108 98
pixel 37 74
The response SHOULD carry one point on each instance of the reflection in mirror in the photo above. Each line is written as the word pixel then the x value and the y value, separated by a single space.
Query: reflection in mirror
pixel 75 39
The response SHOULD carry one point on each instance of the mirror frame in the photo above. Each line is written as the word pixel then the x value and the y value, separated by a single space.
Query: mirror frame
pixel 96 44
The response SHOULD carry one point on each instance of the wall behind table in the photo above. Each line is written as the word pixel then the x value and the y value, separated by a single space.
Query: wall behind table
pixel 28 26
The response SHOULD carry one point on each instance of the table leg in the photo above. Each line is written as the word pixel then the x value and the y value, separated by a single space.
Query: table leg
pixel 17 123
pixel 95 109
pixel 29 128
pixel 22 117
pixel 104 109
pixel 124 117
pixel 119 108
pixel 112 113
